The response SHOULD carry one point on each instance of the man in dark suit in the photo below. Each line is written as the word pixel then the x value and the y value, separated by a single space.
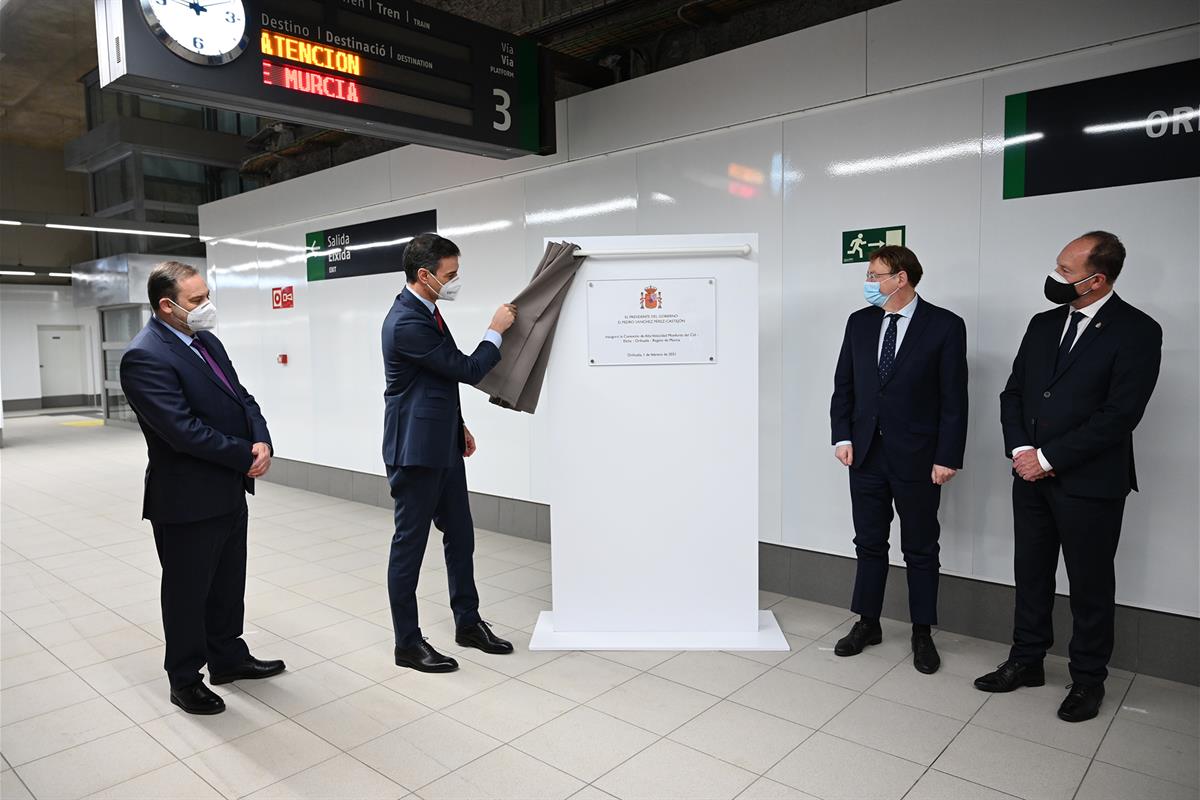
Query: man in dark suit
pixel 1078 388
pixel 899 418
pixel 424 443
pixel 207 441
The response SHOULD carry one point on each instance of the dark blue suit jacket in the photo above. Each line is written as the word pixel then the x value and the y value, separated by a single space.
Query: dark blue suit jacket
pixel 198 433
pixel 1083 413
pixel 422 417
pixel 921 409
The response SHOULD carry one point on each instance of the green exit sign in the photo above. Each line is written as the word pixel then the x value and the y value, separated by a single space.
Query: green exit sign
pixel 859 243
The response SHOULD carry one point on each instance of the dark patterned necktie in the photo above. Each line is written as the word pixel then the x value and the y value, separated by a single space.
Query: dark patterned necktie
pixel 887 357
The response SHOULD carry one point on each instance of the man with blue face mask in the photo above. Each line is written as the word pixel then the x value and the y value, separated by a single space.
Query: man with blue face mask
pixel 899 420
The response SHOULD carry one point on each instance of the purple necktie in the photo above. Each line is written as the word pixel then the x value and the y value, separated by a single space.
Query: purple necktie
pixel 202 350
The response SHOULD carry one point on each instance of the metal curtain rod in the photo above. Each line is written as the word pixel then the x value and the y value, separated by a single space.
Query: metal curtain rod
pixel 732 250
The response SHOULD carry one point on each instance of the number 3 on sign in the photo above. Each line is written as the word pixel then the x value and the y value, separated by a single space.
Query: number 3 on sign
pixel 502 103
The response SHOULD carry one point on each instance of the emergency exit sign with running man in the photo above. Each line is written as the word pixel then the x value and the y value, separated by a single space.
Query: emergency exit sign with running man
pixel 859 244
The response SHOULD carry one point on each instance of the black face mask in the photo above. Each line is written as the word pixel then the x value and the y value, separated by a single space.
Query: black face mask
pixel 1060 293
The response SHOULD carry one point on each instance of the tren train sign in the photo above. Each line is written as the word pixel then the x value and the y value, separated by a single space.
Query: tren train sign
pixel 385 68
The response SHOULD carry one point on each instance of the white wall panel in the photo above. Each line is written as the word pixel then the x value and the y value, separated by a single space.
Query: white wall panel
pixel 689 186
pixel 487 223
pixel 285 391
pixel 908 160
pixel 244 326
pixel 1156 563
pixel 812 67
pixel 416 169
pixel 917 41
pixel 22 309
pixel 596 197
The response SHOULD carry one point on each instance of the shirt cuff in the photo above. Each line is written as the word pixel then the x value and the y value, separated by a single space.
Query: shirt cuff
pixel 1042 460
pixel 493 337
pixel 843 443
pixel 1021 449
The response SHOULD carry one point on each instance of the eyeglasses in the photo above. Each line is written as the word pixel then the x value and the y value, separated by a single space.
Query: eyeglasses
pixel 878 276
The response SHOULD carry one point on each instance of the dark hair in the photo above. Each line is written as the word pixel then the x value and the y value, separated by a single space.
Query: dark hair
pixel 426 252
pixel 164 281
pixel 1108 254
pixel 900 259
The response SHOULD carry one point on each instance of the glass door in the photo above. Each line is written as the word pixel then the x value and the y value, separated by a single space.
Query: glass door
pixel 118 326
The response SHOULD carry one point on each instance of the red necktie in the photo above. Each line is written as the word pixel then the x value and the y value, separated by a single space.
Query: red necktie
pixel 437 315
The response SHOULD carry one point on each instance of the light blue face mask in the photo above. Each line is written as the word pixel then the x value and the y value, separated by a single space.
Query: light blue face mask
pixel 872 294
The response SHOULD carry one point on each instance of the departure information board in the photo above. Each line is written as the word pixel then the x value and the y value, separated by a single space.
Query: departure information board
pixel 385 68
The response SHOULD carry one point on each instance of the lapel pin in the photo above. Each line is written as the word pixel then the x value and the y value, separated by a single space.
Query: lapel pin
pixel 1098 325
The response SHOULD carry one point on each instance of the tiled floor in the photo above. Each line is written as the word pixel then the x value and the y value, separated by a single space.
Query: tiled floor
pixel 85 710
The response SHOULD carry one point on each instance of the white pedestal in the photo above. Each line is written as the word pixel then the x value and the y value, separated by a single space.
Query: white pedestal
pixel 654 492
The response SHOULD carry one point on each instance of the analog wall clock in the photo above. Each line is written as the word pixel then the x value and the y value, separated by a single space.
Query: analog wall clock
pixel 209 33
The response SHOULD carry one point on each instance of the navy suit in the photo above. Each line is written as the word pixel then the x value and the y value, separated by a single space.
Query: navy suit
pixel 900 427
pixel 1081 413
pixel 423 444
pixel 199 434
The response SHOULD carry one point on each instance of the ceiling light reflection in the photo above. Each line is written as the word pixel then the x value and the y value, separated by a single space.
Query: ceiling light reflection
pixel 745 174
pixel 132 231
pixel 286 248
pixel 480 227
pixel 1012 141
pixel 579 212
pixel 914 158
pixel 1155 120
pixel 371 245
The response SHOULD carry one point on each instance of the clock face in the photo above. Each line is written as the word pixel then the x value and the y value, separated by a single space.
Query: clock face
pixel 202 31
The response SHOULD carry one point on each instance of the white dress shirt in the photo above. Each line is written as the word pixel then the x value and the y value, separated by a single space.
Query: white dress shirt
pixel 488 336
pixel 1089 313
pixel 906 315
pixel 183 337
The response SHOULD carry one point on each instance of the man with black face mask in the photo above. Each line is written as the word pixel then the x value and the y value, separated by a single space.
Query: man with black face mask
pixel 1078 388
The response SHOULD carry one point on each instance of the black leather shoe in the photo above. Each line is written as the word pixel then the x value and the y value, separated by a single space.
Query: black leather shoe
pixel 247 671
pixel 861 635
pixel 1012 675
pixel 925 654
pixel 423 658
pixel 480 636
pixel 1082 702
pixel 198 699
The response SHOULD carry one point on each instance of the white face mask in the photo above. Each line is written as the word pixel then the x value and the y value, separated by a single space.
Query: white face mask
pixel 450 288
pixel 201 318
